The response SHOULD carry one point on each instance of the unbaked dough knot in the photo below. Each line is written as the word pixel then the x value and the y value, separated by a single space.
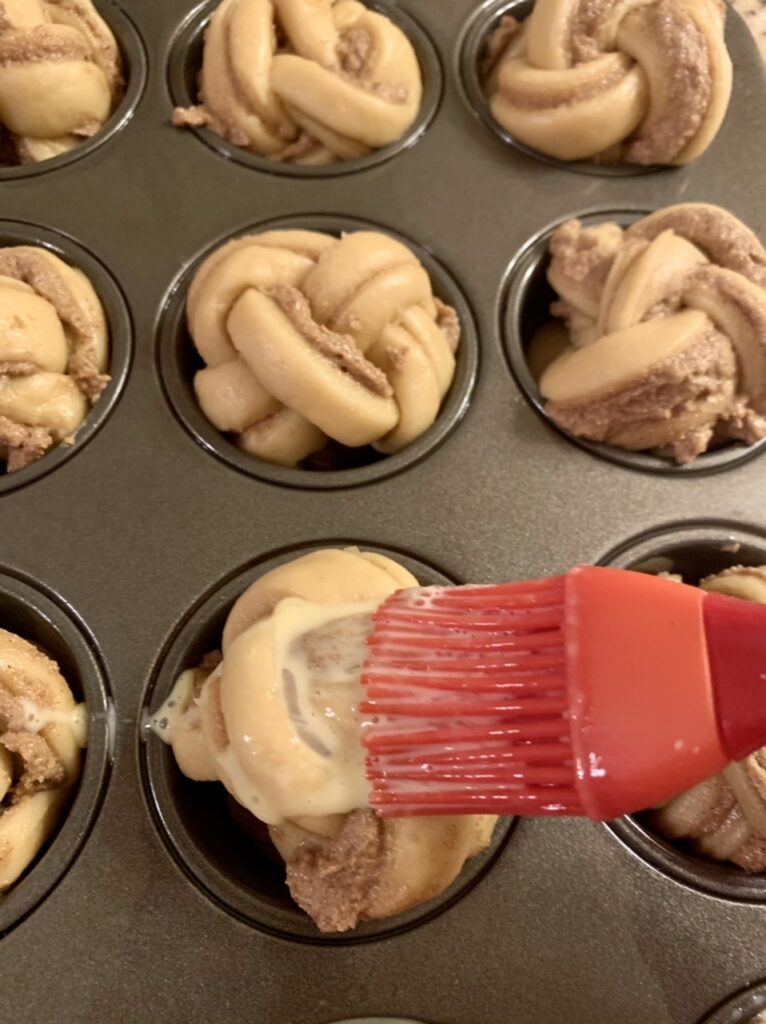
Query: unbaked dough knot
pixel 54 352
pixel 307 81
pixel 308 337
pixel 60 75
pixel 636 81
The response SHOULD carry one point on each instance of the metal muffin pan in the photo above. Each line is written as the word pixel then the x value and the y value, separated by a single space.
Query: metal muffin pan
pixel 741 1008
pixel 142 525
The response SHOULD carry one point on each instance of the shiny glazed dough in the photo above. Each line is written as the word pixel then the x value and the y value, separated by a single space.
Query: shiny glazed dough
pixel 308 337
pixel 252 742
pixel 417 858
pixel 637 81
pixel 37 769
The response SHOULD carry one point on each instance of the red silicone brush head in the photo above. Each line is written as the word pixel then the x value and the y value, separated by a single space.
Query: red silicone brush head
pixel 588 693
pixel 468 690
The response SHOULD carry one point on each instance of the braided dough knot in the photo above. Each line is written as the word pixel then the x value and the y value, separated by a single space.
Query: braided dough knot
pixel 39 752
pixel 60 74
pixel 312 81
pixel 54 351
pixel 342 867
pixel 308 337
pixel 636 81
pixel 665 338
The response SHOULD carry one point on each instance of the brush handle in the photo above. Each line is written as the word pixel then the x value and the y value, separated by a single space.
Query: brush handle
pixel 735 631
pixel 642 704
pixel 600 692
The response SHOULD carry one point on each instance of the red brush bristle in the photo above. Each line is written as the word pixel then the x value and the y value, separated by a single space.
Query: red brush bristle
pixel 393 703
pixel 466 756
pixel 466 696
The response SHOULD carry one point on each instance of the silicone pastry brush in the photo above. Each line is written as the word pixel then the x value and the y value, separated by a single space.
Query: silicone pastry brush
pixel 598 693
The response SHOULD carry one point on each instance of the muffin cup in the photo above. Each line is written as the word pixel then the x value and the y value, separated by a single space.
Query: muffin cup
pixel 179 361
pixel 120 342
pixel 185 63
pixel 740 1008
pixel 695 550
pixel 45 620
pixel 526 300
pixel 472 46
pixel 135 70
pixel 243 876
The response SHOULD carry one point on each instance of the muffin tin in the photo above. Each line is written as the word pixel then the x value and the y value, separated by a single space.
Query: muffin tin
pixel 129 551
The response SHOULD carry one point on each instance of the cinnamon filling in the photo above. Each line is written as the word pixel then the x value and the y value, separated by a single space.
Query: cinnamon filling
pixel 338 349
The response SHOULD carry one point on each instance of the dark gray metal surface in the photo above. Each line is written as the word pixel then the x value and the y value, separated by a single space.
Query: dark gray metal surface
pixel 133 529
